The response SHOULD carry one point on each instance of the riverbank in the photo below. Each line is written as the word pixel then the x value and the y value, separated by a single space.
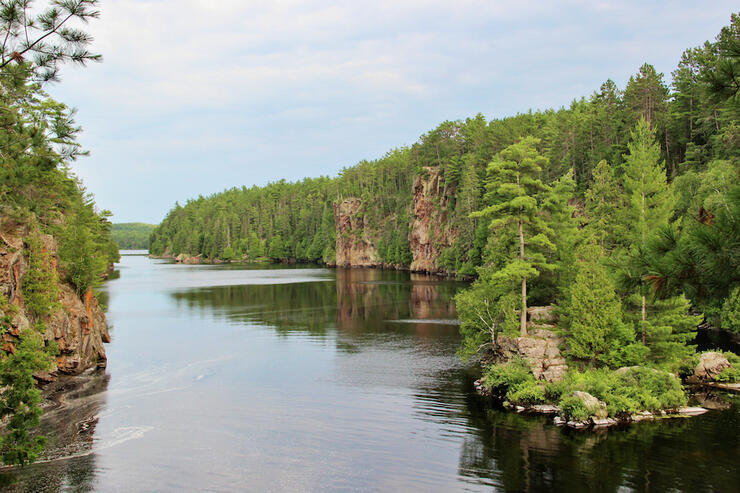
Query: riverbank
pixel 594 399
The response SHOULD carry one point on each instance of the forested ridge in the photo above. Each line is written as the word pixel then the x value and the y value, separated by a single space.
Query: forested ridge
pixel 688 131
pixel 600 235
pixel 132 236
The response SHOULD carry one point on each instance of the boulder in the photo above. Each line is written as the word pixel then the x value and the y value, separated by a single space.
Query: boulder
pixel 545 314
pixel 541 351
pixel 603 422
pixel 710 365
pixel 594 406
pixel 481 389
pixel 544 409
pixel 691 411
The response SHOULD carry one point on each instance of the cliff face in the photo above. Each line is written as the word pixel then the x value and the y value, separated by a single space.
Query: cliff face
pixel 430 232
pixel 78 326
pixel 354 247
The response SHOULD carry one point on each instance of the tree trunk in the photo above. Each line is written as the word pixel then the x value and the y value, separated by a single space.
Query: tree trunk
pixel 524 281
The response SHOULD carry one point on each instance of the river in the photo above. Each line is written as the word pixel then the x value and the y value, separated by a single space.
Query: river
pixel 277 378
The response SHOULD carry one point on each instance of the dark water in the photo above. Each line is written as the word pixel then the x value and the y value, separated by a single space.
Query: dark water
pixel 308 379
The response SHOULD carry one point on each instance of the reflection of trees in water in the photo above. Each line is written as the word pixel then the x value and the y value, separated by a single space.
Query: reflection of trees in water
pixel 527 453
pixel 71 409
pixel 360 300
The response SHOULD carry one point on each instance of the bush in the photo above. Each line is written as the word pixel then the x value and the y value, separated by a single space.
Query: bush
pixel 527 393
pixel 731 311
pixel 637 389
pixel 728 375
pixel 40 283
pixel 573 408
pixel 501 378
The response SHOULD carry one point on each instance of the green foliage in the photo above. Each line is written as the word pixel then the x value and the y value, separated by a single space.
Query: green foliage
pixel 731 311
pixel 47 36
pixel 728 375
pixel 527 393
pixel 40 285
pixel 592 313
pixel 485 310
pixel 625 392
pixel 515 201
pixel 603 199
pixel 573 408
pixel 85 246
pixel 668 329
pixel 650 199
pixel 132 236
pixel 502 378
pixel 20 399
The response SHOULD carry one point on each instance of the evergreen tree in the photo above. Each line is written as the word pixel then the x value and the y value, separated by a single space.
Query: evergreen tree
pixel 669 329
pixel 649 207
pixel 515 201
pixel 592 313
pixel 603 200
pixel 46 37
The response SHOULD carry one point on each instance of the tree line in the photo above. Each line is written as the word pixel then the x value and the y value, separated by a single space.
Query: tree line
pixel 675 148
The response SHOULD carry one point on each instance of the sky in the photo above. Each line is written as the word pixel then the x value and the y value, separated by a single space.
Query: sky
pixel 197 96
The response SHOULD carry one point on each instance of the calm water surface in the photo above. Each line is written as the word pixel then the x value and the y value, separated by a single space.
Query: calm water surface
pixel 224 378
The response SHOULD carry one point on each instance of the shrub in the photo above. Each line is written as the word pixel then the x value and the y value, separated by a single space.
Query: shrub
pixel 728 375
pixel 573 408
pixel 40 283
pixel 731 311
pixel 527 393
pixel 501 378
pixel 637 389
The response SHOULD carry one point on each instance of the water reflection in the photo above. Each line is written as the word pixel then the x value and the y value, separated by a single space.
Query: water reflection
pixel 232 378
pixel 356 301
pixel 528 453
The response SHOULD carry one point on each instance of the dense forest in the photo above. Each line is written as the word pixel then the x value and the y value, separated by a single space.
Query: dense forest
pixel 132 236
pixel 588 156
pixel 56 246
pixel 621 211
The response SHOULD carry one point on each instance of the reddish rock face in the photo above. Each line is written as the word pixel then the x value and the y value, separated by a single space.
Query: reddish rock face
pixel 430 233
pixel 354 247
pixel 79 326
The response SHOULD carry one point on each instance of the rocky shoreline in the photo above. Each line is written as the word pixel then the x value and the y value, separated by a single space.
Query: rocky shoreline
pixel 710 365
pixel 78 324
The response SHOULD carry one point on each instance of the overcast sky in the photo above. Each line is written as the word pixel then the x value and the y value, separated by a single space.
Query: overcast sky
pixel 195 96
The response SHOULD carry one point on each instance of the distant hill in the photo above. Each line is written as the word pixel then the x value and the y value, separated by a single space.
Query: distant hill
pixel 132 236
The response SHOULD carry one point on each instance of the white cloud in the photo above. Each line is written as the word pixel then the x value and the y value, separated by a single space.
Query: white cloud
pixel 347 79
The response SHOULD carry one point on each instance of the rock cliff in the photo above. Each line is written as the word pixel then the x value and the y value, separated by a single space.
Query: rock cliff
pixel 78 324
pixel 355 247
pixel 430 232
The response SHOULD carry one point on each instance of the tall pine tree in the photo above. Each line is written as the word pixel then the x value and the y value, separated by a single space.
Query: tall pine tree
pixel 514 196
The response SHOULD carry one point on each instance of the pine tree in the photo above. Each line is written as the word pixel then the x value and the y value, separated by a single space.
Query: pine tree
pixel 514 194
pixel 592 312
pixel 603 199
pixel 649 207
pixel 669 329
